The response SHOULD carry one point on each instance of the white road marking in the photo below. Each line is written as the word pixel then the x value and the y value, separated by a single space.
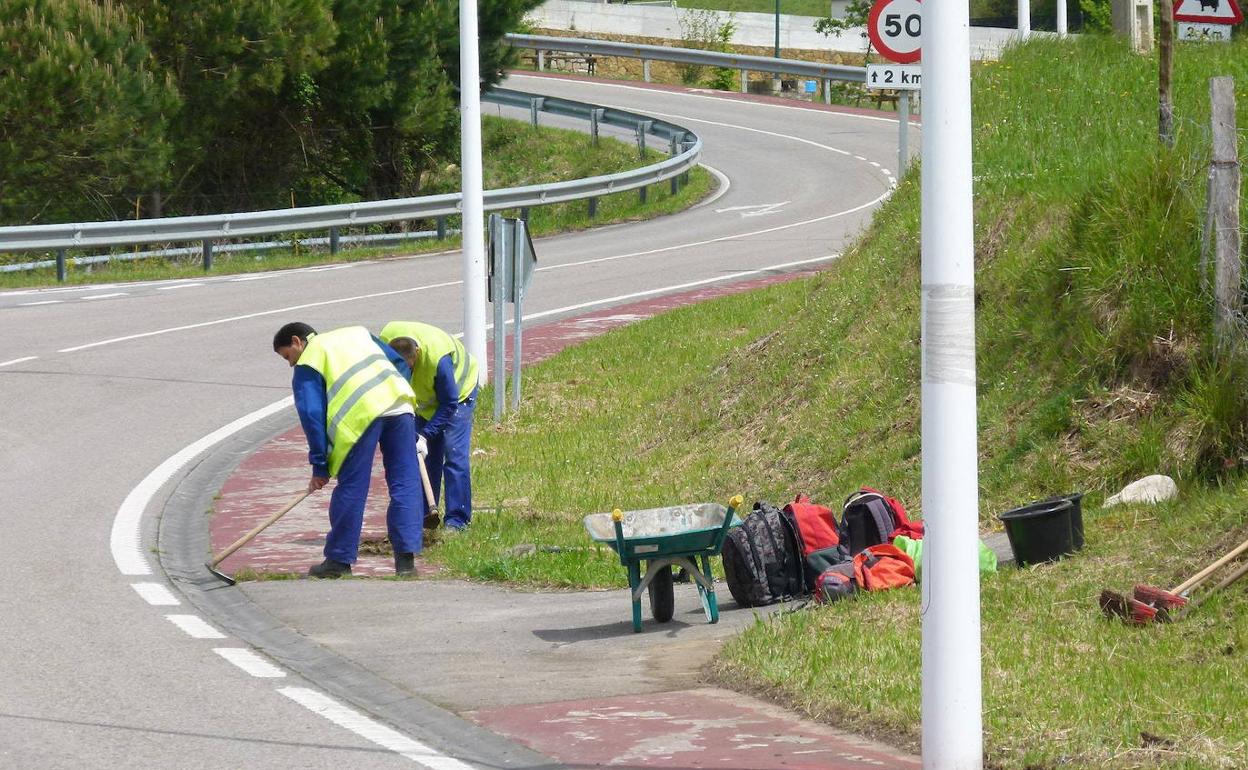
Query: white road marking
pixel 250 662
pixel 106 296
pixel 171 287
pixel 764 231
pixel 755 210
pixel 724 184
pixel 372 730
pixel 257 277
pixel 733 100
pixel 43 302
pixel 689 285
pixel 125 539
pixel 18 360
pixel 156 594
pixel 195 626
pixel 259 314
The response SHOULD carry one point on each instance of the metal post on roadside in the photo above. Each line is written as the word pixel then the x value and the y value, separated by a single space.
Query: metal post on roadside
pixel 952 676
pixel 903 133
pixel 645 70
pixel 1061 18
pixel 498 266
pixel 473 201
pixel 595 115
pixel 207 255
pixel 517 257
pixel 60 266
pixel 333 240
pixel 675 150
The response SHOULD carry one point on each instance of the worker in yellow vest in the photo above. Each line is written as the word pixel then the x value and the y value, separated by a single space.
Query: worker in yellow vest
pixel 352 394
pixel 444 384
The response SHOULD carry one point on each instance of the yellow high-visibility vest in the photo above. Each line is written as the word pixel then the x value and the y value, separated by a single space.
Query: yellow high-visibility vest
pixel 360 385
pixel 434 344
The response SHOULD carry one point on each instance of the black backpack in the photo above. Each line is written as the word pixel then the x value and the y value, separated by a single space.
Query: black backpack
pixel 868 519
pixel 762 561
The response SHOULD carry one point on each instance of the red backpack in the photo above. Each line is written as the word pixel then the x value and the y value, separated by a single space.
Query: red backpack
pixel 883 566
pixel 816 523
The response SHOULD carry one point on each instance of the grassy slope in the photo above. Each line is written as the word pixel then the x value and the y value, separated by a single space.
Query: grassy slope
pixel 514 154
pixel 1095 367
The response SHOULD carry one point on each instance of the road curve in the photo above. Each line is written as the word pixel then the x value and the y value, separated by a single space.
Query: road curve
pixel 103 384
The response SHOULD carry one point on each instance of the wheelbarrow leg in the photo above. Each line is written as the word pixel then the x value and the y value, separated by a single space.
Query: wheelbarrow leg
pixel 634 581
pixel 709 605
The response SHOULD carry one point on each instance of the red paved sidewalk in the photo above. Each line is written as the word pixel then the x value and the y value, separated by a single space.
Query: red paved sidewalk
pixel 705 728
pixel 278 471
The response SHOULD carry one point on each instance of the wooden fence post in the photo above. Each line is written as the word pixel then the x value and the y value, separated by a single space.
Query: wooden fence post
pixel 1224 209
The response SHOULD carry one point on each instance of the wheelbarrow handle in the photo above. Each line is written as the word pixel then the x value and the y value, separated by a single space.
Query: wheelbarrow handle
pixel 733 504
pixel 617 517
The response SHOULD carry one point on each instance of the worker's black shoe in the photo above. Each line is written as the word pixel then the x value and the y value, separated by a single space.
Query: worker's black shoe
pixel 329 569
pixel 405 564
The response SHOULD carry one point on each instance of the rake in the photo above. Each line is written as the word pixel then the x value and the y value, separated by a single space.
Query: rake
pixel 239 543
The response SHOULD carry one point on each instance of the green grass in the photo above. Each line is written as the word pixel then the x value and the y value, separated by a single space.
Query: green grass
pixel 514 154
pixel 1096 365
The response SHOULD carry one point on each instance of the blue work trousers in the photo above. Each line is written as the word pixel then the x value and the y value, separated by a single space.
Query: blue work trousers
pixel 406 514
pixel 448 461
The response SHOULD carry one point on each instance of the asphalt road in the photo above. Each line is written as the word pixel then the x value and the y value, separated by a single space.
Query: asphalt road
pixel 101 385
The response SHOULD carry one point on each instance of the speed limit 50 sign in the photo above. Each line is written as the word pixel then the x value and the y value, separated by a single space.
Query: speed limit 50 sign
pixel 894 27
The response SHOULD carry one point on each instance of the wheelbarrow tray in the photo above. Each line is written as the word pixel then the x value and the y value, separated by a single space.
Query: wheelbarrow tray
pixel 684 536
pixel 680 530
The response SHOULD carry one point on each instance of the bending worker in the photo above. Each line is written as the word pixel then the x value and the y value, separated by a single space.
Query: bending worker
pixel 351 394
pixel 444 379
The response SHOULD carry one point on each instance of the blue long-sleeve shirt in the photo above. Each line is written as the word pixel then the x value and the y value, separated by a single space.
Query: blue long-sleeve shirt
pixel 447 390
pixel 312 406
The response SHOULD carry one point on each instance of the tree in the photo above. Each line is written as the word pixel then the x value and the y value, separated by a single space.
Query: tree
pixel 83 116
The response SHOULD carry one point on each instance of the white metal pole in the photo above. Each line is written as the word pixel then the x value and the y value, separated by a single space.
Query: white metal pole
pixel 1024 18
pixel 1061 18
pixel 952 680
pixel 473 200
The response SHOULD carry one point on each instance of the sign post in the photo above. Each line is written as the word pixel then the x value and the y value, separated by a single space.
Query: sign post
pixel 895 28
pixel 1207 20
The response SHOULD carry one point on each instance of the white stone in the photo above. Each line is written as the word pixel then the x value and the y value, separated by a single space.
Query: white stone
pixel 1150 489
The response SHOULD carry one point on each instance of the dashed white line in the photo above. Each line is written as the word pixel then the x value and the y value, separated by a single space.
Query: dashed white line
pixel 195 626
pixel 156 594
pixel 106 296
pixel 250 662
pixel 371 730
pixel 124 541
pixel 18 361
pixel 179 286
pixel 260 277
pixel 43 302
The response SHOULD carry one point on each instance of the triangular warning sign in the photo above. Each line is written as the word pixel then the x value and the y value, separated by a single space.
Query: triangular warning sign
pixel 1208 11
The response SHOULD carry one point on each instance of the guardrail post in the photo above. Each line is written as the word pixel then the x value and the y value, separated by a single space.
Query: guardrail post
pixel 641 194
pixel 745 81
pixel 827 90
pixel 541 60
pixel 535 106
pixel 643 127
pixel 593 207
pixel 675 150
pixel 333 240
pixel 685 144
pixel 524 214
pixel 595 115
pixel 645 69
pixel 207 255
pixel 442 228
pixel 60 265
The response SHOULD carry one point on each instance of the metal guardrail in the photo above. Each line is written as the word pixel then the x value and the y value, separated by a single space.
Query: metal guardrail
pixel 734 61
pixel 684 144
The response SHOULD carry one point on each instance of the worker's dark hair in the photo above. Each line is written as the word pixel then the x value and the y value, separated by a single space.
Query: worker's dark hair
pixel 286 335
pixel 405 346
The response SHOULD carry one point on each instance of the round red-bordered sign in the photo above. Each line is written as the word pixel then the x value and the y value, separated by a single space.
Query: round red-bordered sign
pixel 894 27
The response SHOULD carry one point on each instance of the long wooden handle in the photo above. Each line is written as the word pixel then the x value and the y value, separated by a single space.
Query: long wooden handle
pixel 1201 576
pixel 1231 578
pixel 424 481
pixel 239 543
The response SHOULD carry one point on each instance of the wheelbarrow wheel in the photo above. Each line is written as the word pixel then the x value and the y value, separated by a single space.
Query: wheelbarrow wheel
pixel 662 595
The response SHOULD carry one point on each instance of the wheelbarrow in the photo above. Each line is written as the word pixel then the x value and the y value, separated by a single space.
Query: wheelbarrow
pixel 682 536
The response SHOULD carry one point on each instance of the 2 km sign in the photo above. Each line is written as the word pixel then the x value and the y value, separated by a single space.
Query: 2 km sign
pixel 894 27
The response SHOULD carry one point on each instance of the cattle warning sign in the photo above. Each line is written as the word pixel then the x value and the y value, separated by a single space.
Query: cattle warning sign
pixel 1208 11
